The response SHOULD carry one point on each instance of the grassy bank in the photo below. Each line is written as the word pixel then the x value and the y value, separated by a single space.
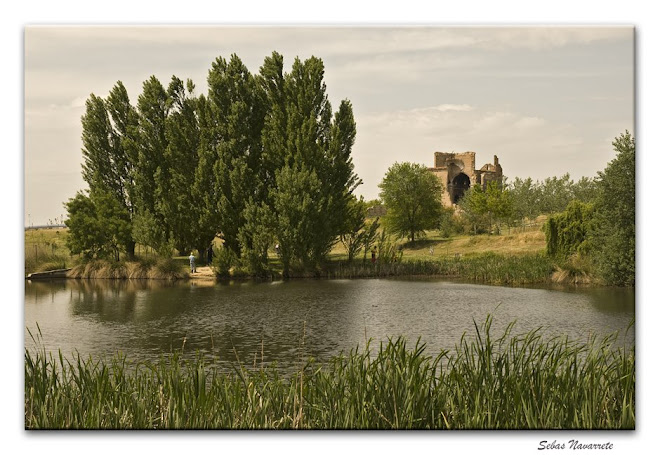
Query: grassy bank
pixel 510 259
pixel 486 382
pixel 434 246
pixel 482 268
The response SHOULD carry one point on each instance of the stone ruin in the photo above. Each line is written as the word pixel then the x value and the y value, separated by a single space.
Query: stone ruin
pixel 457 172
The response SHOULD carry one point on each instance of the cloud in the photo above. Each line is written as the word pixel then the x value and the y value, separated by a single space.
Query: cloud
pixel 486 89
pixel 544 38
pixel 320 40
pixel 78 102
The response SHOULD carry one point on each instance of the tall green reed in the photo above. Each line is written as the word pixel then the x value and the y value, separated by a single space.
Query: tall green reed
pixel 506 382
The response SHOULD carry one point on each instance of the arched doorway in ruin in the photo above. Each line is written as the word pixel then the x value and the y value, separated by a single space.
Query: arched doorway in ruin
pixel 459 185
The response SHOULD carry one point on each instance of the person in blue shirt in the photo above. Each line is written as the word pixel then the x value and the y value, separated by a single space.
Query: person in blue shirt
pixel 192 262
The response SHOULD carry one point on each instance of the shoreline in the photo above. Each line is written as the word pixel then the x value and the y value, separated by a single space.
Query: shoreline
pixel 213 280
pixel 487 268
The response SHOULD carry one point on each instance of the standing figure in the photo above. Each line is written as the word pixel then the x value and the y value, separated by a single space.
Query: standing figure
pixel 209 254
pixel 192 262
pixel 373 255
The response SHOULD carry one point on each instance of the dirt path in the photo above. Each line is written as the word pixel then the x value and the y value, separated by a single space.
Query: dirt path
pixel 203 273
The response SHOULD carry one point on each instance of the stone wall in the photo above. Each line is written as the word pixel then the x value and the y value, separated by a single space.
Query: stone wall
pixel 458 172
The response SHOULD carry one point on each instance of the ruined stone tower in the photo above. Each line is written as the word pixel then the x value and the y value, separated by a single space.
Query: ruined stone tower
pixel 457 172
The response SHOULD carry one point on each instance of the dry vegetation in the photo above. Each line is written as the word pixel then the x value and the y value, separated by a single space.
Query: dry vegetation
pixel 154 269
pixel 465 245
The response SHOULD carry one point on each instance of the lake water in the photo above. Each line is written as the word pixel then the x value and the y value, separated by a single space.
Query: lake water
pixel 282 321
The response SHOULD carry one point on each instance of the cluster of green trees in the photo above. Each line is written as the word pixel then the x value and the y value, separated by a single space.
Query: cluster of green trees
pixel 260 159
pixel 602 230
pixel 520 200
pixel 412 196
pixel 486 210
pixel 552 195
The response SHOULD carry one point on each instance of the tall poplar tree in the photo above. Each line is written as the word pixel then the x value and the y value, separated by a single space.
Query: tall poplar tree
pixel 205 188
pixel 99 170
pixel 274 136
pixel 240 109
pixel 150 172
pixel 124 142
pixel 178 203
pixel 106 163
pixel 316 159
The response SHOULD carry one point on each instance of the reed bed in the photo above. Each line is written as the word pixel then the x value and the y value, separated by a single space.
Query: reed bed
pixel 150 268
pixel 509 382
pixel 488 268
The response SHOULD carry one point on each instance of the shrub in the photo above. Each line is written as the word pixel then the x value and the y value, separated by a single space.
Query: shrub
pixel 566 233
pixel 223 261
pixel 167 269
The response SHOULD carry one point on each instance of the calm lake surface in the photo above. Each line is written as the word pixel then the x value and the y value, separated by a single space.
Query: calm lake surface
pixel 280 321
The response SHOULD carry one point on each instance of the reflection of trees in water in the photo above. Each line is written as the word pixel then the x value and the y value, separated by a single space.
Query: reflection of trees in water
pixel 119 285
pixel 146 319
pixel 124 300
pixel 611 299
pixel 266 323
pixel 605 304
pixel 107 301
pixel 40 291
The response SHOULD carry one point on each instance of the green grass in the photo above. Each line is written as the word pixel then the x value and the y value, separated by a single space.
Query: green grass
pixel 45 249
pixel 488 268
pixel 434 246
pixel 518 243
pixel 510 381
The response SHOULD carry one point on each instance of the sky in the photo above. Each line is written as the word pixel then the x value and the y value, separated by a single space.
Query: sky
pixel 545 99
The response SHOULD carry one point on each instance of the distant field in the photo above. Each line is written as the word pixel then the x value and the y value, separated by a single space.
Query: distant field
pixel 46 237
pixel 45 249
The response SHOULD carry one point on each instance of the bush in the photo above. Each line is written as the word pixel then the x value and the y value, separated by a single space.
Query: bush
pixel 167 268
pixel 567 233
pixel 223 262
pixel 452 224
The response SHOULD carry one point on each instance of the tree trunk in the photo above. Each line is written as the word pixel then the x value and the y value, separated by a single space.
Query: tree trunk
pixel 130 250
pixel 203 253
